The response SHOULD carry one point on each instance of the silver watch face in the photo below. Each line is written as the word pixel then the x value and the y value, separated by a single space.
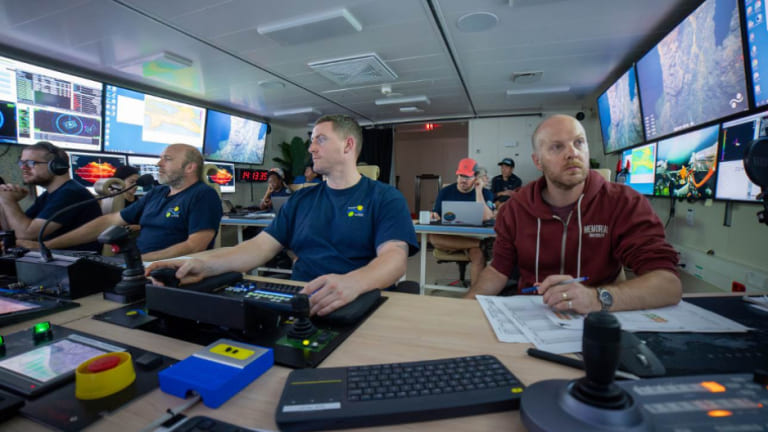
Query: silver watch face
pixel 606 299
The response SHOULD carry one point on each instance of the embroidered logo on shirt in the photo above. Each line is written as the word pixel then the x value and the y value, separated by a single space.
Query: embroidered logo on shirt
pixel 596 231
pixel 173 212
pixel 355 211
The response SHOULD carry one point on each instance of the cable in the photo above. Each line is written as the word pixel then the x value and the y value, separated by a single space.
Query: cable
pixel 671 212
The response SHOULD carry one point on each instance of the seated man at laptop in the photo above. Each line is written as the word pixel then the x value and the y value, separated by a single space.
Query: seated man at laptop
pixel 351 234
pixel 572 224
pixel 467 188
pixel 275 188
pixel 178 218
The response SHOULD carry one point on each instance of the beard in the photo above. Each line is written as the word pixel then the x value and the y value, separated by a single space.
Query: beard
pixel 566 180
pixel 173 180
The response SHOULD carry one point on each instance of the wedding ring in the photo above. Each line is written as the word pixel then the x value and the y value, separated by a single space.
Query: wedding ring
pixel 570 304
pixel 565 296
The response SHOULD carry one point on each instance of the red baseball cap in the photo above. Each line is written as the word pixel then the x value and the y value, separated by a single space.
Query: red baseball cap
pixel 466 167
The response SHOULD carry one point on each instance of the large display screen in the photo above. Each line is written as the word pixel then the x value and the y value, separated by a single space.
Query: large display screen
pixel 231 138
pixel 144 124
pixel 686 165
pixel 756 14
pixel 642 164
pixel 52 106
pixel 619 110
pixel 224 176
pixel 88 168
pixel 50 361
pixel 732 181
pixel 696 73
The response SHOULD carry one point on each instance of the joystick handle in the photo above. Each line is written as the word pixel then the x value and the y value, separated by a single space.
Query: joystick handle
pixel 601 345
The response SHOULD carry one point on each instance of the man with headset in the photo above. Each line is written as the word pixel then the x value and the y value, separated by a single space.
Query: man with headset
pixel 47 166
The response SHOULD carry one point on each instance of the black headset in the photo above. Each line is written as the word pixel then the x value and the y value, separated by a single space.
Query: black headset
pixel 59 165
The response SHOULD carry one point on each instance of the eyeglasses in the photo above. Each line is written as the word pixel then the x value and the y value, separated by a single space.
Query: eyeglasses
pixel 29 163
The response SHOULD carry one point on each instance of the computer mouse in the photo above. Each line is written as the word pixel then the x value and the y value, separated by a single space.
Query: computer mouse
pixel 636 358
pixel 165 275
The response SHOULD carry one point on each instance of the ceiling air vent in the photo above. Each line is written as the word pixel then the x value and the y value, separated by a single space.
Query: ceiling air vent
pixel 362 69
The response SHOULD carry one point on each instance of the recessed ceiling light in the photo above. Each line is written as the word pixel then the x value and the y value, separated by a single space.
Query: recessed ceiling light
pixel 296 111
pixel 411 109
pixel 477 22
pixel 402 100
pixel 539 90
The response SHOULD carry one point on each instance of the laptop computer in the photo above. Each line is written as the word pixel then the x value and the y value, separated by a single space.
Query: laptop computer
pixel 462 213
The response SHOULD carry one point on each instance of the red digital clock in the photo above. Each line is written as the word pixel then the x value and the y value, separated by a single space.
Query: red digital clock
pixel 251 175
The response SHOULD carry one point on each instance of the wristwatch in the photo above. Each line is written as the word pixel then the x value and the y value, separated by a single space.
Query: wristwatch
pixel 605 298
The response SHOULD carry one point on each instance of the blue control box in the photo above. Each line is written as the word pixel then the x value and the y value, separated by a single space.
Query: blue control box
pixel 217 372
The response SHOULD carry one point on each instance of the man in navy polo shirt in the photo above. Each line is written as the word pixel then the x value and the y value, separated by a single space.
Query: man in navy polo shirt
pixel 178 218
pixel 45 165
pixel 351 234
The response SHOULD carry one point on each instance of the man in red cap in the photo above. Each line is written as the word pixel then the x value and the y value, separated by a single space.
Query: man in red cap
pixel 468 187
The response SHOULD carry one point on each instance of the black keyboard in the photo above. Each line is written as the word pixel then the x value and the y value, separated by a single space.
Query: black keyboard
pixel 201 423
pixel 358 396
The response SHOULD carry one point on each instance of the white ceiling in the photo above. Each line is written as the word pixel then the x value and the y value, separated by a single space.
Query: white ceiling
pixel 582 44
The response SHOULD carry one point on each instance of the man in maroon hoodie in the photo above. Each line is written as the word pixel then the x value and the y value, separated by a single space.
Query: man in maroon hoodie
pixel 572 224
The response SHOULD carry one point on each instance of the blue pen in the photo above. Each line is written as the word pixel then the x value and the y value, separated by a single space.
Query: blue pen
pixel 531 289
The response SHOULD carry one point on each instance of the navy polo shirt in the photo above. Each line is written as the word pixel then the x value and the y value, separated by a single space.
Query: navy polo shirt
pixel 168 220
pixel 338 231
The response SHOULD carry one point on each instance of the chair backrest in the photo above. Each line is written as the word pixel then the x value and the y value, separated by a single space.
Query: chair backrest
pixel 370 171
pixel 105 187
pixel 209 170
pixel 605 172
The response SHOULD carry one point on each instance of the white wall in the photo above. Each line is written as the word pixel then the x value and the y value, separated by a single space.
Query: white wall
pixel 493 139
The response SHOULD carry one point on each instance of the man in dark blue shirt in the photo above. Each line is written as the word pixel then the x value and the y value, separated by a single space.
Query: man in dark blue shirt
pixel 504 184
pixel 351 234
pixel 276 187
pixel 468 187
pixel 60 191
pixel 178 218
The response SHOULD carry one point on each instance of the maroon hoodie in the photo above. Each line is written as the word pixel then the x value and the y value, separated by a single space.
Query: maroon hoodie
pixel 609 226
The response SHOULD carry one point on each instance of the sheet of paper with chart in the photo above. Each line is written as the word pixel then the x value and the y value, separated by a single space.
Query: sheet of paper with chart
pixel 528 314
pixel 683 317
pixel 505 329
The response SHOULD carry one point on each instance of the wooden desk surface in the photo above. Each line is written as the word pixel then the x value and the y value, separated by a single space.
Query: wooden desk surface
pixel 405 328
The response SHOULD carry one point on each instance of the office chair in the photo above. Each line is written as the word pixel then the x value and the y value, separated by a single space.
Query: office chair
pixel 459 257
pixel 208 171
pixel 104 187
pixel 370 171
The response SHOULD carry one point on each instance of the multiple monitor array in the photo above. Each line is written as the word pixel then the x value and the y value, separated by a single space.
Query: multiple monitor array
pixel 75 113
pixel 699 164
pixel 668 105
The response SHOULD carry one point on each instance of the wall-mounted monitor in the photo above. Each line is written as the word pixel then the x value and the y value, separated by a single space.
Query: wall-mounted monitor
pixel 619 111
pixel 88 168
pixel 686 165
pixel 732 181
pixel 234 139
pixel 145 165
pixel 696 73
pixel 52 106
pixel 224 177
pixel 756 14
pixel 642 167
pixel 138 123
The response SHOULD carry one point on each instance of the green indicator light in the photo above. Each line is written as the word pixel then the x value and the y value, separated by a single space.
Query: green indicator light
pixel 2 341
pixel 42 327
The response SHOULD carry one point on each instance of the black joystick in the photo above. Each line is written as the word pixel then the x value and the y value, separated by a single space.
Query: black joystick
pixel 601 345
pixel 593 403
pixel 123 241
pixel 302 327
pixel 166 275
